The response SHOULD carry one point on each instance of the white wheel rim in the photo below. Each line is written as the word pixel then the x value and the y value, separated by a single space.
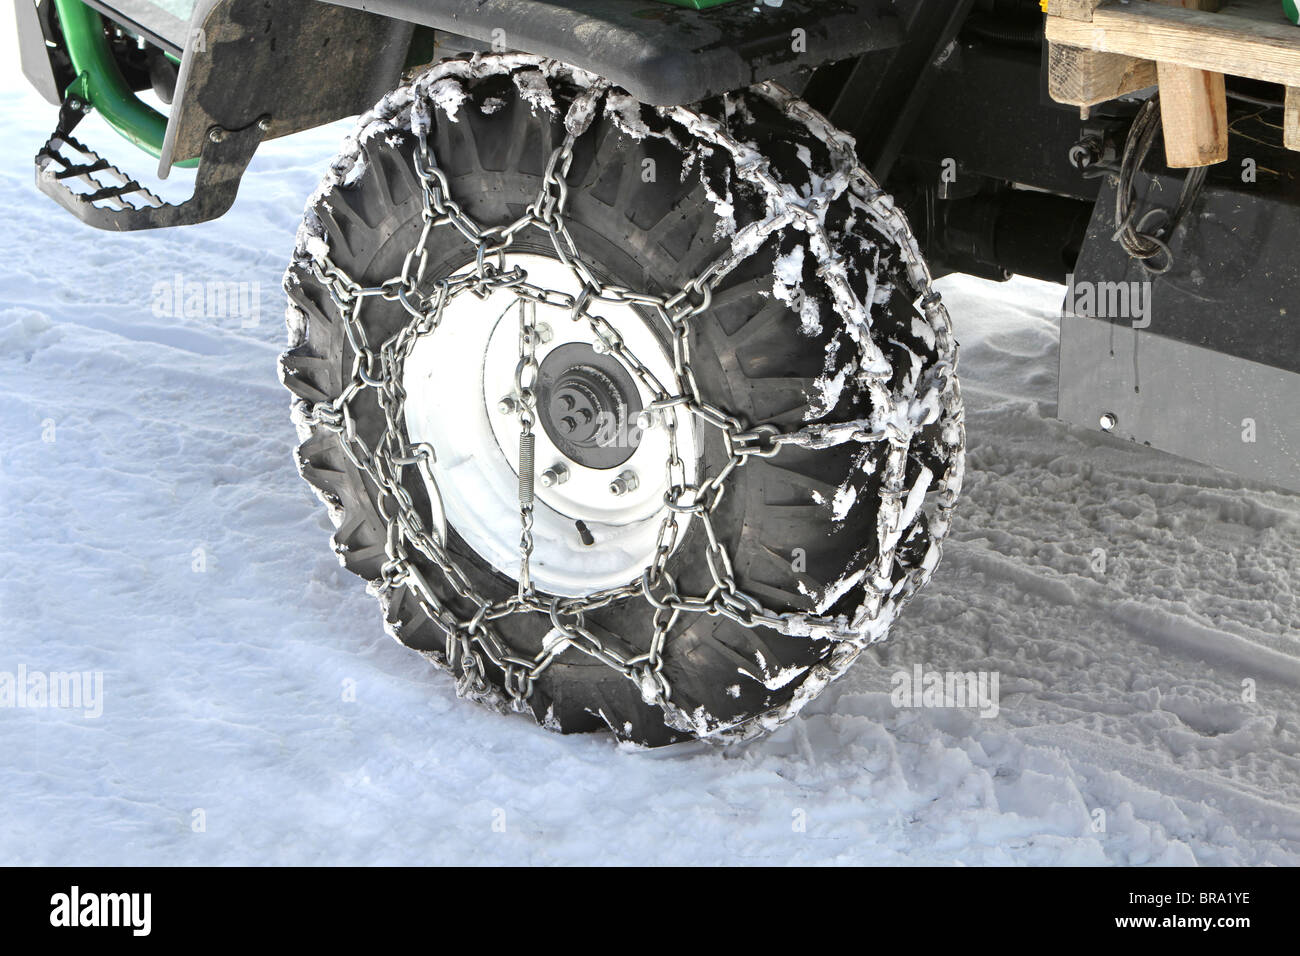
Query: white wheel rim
pixel 455 378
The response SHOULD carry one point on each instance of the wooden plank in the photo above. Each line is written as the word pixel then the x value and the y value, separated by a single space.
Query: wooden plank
pixel 1086 77
pixel 1073 9
pixel 1291 118
pixel 1194 113
pixel 1079 77
pixel 1211 5
pixel 1193 108
pixel 1217 42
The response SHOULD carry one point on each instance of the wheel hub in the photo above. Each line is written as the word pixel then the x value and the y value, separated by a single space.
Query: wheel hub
pixel 588 405
pixel 601 479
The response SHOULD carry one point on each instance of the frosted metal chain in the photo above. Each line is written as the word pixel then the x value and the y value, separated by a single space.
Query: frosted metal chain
pixel 525 380
pixel 474 643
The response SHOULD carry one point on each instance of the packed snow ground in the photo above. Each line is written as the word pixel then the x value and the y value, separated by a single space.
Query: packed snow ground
pixel 226 690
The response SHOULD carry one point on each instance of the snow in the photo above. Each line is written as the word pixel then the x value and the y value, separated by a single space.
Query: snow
pixel 626 113
pixel 157 533
pixel 533 87
pixel 787 286
pixel 448 94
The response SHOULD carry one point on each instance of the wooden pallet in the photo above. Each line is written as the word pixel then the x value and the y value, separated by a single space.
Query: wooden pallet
pixel 1101 49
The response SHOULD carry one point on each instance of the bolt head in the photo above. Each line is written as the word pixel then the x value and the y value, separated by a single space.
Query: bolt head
pixel 507 406
pixel 1108 421
pixel 557 474
pixel 625 482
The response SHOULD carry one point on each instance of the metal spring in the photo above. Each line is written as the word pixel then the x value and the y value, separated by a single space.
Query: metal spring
pixel 526 442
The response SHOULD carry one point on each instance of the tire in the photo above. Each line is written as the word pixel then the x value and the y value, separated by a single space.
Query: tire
pixel 831 534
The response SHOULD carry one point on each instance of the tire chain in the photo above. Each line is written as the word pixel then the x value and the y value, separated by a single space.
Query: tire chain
pixel 471 643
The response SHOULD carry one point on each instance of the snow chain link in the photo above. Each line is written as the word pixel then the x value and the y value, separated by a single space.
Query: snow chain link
pixel 471 643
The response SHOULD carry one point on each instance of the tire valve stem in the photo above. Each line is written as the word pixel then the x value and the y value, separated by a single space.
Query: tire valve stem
pixel 584 533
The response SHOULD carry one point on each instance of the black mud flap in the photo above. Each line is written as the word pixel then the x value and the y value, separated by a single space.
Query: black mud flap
pixel 1202 359
pixel 101 195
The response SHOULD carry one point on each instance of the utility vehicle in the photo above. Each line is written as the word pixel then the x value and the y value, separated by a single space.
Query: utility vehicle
pixel 613 345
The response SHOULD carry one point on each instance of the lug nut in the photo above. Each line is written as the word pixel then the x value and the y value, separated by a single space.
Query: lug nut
pixel 624 483
pixel 544 333
pixel 557 474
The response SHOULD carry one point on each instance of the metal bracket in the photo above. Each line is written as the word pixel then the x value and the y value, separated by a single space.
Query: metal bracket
pixel 112 200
